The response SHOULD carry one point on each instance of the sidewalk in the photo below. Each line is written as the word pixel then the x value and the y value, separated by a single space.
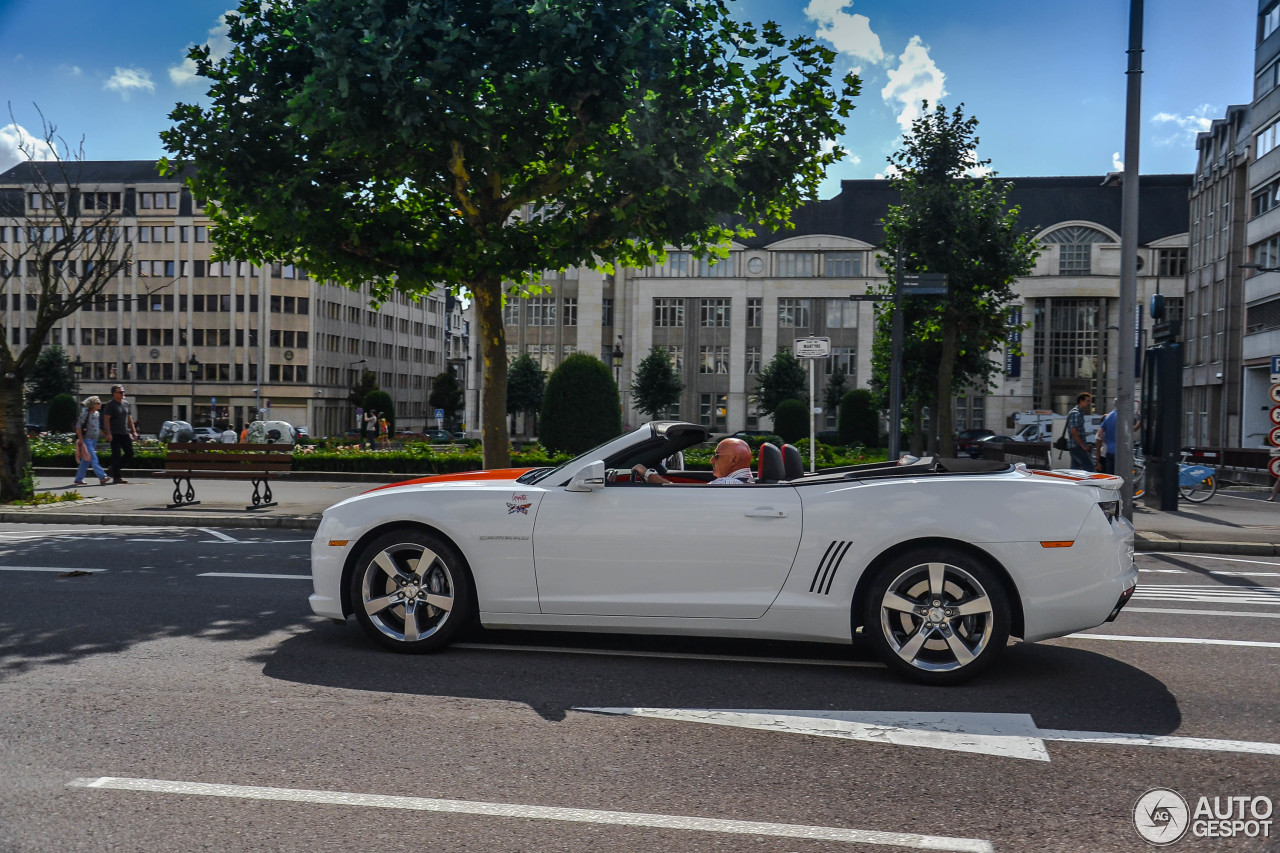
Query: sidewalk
pixel 1237 521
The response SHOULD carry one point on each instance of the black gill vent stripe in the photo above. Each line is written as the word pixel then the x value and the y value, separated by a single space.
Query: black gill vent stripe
pixel 826 573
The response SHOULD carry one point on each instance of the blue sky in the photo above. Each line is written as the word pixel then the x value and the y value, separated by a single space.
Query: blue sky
pixel 1045 80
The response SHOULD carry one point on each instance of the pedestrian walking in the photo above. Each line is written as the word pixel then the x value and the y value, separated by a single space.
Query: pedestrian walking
pixel 88 429
pixel 117 422
pixel 371 428
pixel 1080 457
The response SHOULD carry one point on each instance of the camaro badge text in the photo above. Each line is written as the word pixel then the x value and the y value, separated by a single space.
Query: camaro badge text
pixel 520 504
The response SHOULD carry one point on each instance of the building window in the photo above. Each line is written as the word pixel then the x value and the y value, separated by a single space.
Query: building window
pixel 753 360
pixel 794 264
pixel 668 313
pixel 845 358
pixel 1270 20
pixel 755 312
pixel 1266 253
pixel 677 265
pixel 841 314
pixel 1171 262
pixel 675 353
pixel 714 312
pixel 1075 244
pixel 971 411
pixel 606 311
pixel 713 359
pixel 793 313
pixel 1265 199
pixel 571 311
pixel 1074 339
pixel 1266 140
pixel 841 264
pixel 718 267
pixel 540 311
pixel 712 410
pixel 511 312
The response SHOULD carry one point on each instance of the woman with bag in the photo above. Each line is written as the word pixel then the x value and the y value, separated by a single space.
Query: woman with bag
pixel 88 428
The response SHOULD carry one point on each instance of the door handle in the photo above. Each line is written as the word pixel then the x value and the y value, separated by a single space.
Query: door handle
pixel 766 512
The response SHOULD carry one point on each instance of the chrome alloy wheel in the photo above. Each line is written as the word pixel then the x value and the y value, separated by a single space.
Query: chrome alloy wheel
pixel 407 592
pixel 937 617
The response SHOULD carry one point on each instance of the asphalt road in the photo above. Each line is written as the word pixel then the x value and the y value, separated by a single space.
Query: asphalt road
pixel 179 696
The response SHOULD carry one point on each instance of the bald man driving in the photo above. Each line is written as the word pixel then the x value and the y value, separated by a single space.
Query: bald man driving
pixel 731 464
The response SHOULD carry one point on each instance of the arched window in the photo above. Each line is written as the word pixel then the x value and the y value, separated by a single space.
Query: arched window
pixel 1074 247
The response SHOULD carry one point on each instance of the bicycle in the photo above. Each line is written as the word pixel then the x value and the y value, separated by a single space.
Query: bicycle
pixel 1139 474
pixel 1197 483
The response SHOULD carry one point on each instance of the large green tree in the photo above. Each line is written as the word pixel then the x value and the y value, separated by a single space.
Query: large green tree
pixel 52 375
pixel 525 383
pixel 581 408
pixel 656 386
pixel 423 143
pixel 783 378
pixel 949 222
pixel 70 252
pixel 446 394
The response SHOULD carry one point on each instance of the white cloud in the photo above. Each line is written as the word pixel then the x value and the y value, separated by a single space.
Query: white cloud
pixel 917 78
pixel 219 45
pixel 1117 165
pixel 127 80
pixel 849 34
pixel 70 70
pixel 14 138
pixel 978 171
pixel 1182 129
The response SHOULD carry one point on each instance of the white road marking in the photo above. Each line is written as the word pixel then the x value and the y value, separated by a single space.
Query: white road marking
pixel 1006 735
pixel 221 537
pixel 155 540
pixel 528 812
pixel 253 575
pixel 667 655
pixel 1164 571
pixel 50 569
pixel 1209 593
pixel 1190 641
pixel 1177 610
pixel 1209 557
pixel 1247 574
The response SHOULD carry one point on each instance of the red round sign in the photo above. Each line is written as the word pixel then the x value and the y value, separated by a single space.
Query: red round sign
pixel 1274 436
pixel 1275 393
pixel 1275 414
pixel 1275 466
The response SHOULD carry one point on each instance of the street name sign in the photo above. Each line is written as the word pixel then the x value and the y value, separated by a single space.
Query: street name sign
pixel 924 284
pixel 813 347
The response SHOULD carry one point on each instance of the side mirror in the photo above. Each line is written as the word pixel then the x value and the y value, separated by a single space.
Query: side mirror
pixel 588 479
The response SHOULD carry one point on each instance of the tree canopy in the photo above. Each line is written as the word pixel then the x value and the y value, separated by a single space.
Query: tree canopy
pixel 525 381
pixel 581 408
pixel 473 145
pixel 656 386
pixel 446 394
pixel 783 378
pixel 51 375
pixel 949 222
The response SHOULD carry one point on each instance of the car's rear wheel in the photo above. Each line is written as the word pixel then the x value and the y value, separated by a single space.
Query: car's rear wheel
pixel 937 616
pixel 411 591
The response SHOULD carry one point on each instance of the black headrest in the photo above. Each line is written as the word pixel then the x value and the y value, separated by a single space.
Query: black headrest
pixel 792 462
pixel 770 469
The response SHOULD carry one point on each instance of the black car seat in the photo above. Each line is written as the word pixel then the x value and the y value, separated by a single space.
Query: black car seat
pixel 792 462
pixel 770 469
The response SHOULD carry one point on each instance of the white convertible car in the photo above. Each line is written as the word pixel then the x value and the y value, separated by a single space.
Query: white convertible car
pixel 938 562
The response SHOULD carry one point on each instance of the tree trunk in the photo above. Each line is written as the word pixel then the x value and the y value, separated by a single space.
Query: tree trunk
pixel 15 452
pixel 917 429
pixel 493 392
pixel 940 443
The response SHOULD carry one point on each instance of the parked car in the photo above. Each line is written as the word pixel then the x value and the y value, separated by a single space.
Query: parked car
pixel 936 562
pixel 979 448
pixel 460 436
pixel 202 434
pixel 438 436
pixel 967 438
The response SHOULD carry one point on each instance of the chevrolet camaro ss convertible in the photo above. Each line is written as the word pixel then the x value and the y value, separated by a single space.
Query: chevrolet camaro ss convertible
pixel 937 561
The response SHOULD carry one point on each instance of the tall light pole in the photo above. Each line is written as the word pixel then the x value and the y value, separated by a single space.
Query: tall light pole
pixel 1126 362
pixel 192 364
pixel 617 373
pixel 77 369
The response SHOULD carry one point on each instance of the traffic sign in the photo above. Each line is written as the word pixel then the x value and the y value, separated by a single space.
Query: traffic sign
pixel 1274 437
pixel 1275 369
pixel 813 347
pixel 1275 414
pixel 924 284
pixel 869 297
pixel 1275 394
pixel 439 414
pixel 1274 467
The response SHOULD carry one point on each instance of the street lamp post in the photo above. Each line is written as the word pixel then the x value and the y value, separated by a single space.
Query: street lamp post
pixel 77 369
pixel 359 425
pixel 192 364
pixel 617 369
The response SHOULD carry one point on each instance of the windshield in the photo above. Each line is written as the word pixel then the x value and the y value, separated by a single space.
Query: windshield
pixel 667 436
pixel 540 474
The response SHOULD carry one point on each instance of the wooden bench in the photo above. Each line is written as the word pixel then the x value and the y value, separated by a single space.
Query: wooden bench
pixel 216 461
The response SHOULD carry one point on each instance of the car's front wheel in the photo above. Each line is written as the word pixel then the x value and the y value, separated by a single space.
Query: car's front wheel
pixel 411 591
pixel 938 617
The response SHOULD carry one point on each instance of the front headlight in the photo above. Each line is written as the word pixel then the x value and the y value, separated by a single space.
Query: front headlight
pixel 1110 509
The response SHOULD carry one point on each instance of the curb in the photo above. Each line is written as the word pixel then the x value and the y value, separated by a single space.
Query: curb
pixel 1155 542
pixel 44 516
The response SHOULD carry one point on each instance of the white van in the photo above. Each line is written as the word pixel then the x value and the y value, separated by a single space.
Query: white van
pixel 1049 429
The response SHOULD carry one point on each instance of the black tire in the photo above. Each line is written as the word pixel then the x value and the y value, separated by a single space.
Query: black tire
pixel 407 606
pixel 937 616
